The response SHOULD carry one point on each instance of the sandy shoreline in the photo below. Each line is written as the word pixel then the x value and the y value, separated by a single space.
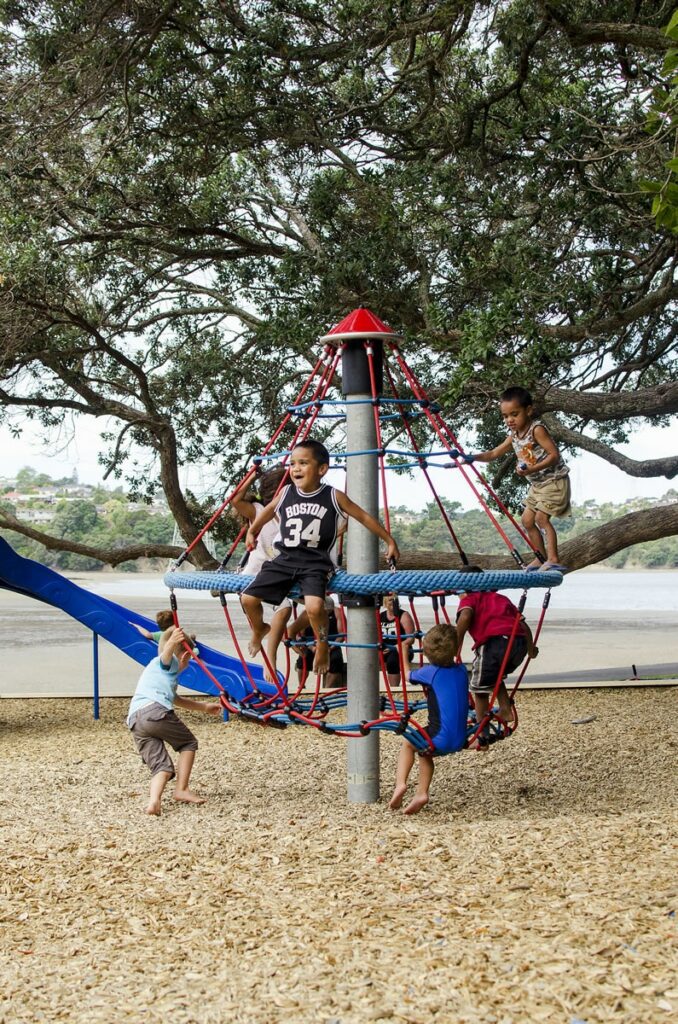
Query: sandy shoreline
pixel 48 653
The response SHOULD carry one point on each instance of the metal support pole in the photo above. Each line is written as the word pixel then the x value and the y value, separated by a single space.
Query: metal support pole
pixel 363 557
pixel 95 665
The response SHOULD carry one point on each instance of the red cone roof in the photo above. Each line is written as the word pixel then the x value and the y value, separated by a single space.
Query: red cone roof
pixel 361 323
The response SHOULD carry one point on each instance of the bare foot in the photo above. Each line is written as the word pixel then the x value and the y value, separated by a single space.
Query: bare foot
pixel 271 675
pixel 321 662
pixel 185 796
pixel 507 714
pixel 254 645
pixel 397 798
pixel 416 804
pixel 154 808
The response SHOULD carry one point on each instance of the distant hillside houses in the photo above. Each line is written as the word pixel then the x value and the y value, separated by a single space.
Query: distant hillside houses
pixel 36 502
pixel 49 494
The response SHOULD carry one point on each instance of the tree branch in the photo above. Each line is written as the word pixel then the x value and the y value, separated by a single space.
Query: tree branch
pixel 109 556
pixel 661 400
pixel 587 549
pixel 608 325
pixel 588 33
pixel 667 467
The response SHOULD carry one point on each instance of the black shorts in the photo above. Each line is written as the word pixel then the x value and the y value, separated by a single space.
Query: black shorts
pixel 393 661
pixel 488 659
pixel 276 578
pixel 336 660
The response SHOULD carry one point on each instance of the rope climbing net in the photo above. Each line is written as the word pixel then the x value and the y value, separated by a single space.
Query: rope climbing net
pixel 276 701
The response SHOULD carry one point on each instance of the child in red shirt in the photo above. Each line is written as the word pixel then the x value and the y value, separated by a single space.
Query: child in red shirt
pixel 489 618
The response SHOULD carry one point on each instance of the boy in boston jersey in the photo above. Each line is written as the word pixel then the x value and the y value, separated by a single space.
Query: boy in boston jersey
pixel 310 514
pixel 446 688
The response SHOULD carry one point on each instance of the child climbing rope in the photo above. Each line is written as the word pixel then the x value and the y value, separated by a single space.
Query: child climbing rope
pixel 310 513
pixel 164 619
pixel 300 630
pixel 153 723
pixel 539 460
pixel 396 621
pixel 490 619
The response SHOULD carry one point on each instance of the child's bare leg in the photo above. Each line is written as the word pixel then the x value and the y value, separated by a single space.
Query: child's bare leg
pixel 420 798
pixel 184 768
pixel 543 522
pixel 158 783
pixel 275 635
pixel 528 519
pixel 405 762
pixel 505 705
pixel 254 610
pixel 482 706
pixel 317 616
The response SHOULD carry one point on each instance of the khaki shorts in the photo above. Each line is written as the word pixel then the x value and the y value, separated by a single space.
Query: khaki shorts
pixel 154 725
pixel 550 496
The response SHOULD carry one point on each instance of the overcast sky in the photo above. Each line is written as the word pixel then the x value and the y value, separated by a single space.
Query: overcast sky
pixel 592 478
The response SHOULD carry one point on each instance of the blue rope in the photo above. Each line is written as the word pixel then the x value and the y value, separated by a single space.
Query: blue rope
pixel 414 583
pixel 420 456
pixel 406 414
pixel 319 403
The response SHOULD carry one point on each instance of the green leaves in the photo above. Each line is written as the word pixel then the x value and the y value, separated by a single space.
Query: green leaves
pixel 197 193
pixel 663 123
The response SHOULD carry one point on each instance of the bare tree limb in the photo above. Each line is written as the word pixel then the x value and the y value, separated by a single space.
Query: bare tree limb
pixel 110 556
pixel 593 546
pixel 661 400
pixel 667 467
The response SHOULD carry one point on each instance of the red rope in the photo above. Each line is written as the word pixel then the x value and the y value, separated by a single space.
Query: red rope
pixel 438 428
pixel 329 366
pixel 544 606
pixel 223 694
pixel 500 678
pixel 417 628
pixel 382 662
pixel 415 447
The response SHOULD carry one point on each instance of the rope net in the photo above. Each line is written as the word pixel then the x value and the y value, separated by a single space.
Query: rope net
pixel 278 701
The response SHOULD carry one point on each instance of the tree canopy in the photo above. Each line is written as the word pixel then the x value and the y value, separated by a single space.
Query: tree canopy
pixel 191 193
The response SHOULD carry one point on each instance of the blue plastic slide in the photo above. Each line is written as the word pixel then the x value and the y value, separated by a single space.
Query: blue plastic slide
pixel 112 622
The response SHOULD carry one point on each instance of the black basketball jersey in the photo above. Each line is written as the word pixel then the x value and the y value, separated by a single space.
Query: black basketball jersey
pixel 309 526
pixel 389 630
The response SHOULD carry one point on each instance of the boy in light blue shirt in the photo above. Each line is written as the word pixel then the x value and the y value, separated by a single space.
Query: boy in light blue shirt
pixel 153 723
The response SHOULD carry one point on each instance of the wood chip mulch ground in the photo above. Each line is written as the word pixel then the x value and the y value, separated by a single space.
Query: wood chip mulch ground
pixel 539 885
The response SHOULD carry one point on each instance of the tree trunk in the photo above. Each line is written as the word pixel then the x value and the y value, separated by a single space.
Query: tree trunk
pixel 169 476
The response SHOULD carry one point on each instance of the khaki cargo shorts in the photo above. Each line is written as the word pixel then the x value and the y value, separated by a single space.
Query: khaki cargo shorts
pixel 550 496
pixel 152 727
